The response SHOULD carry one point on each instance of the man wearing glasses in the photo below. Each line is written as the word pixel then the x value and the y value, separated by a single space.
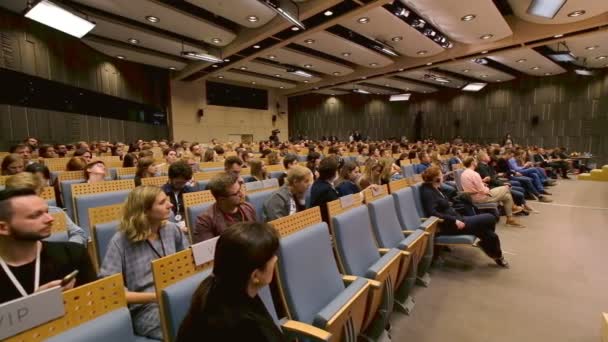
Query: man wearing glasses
pixel 229 208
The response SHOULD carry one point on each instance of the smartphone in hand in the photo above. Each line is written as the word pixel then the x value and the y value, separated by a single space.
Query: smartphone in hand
pixel 68 278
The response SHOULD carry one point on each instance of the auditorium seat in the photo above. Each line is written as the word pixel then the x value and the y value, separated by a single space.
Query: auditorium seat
pixel 491 207
pixel 257 200
pixel 195 203
pixel 83 203
pixel 102 235
pixel 104 222
pixel 59 230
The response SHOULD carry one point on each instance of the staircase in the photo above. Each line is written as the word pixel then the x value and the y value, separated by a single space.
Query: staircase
pixel 596 174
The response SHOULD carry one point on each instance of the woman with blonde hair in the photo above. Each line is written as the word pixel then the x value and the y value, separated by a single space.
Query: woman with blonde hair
pixel 290 198
pixel 144 234
pixel 258 169
pixel 146 167
pixel 210 156
pixel 12 164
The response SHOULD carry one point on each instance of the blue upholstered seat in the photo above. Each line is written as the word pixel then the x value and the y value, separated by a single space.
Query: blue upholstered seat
pixel 257 200
pixel 405 204
pixel 131 176
pixel 51 202
pixel 103 235
pixel 193 211
pixel 386 226
pixel 481 206
pixel 58 237
pixel 417 199
pixel 455 239
pixel 84 202
pixel 66 195
pixel 212 169
pixel 408 170
pixel 276 174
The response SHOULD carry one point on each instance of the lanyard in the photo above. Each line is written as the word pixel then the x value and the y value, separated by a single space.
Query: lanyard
pixel 154 249
pixel 178 212
pixel 16 282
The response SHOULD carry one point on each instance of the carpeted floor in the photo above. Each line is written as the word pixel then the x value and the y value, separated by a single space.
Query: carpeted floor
pixel 555 290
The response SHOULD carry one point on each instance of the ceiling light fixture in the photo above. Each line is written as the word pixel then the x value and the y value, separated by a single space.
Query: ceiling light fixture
pixel 59 18
pixel 498 80
pixel 583 72
pixel 306 81
pixel 252 82
pixel 363 20
pixel 483 76
pixel 152 19
pixel 545 8
pixel 562 56
pixel 252 18
pixel 243 68
pixel 201 56
pixel 400 97
pixel 521 60
pixel 361 91
pixel 281 87
pixel 397 39
pixel 465 70
pixel 288 10
pixel 216 40
pixel 272 56
pixel 422 52
pixel 133 41
pixel 309 41
pixel 468 17
pixel 535 68
pixel 226 60
pixel 120 56
pixel 256 46
pixel 418 23
pixel 345 54
pixel 576 13
pixel 436 78
pixel 298 72
pixel 336 73
pixel 220 76
pixel 429 63
pixel 277 75
pixel 475 86
pixel 214 65
pixel 599 58
pixel 486 36
pixel 593 47
pixel 373 64
pixel 328 13
pixel 308 66
pixel 548 74
pixel 484 52
pixel 387 49
pixel 172 68
pixel 558 36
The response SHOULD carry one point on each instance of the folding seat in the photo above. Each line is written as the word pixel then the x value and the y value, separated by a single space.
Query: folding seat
pixel 492 207
pixel 93 195
pixel 358 254
pixel 125 173
pixel 48 194
pixel 156 181
pixel 66 195
pixel 388 230
pixel 257 200
pixel 195 203
pixel 104 224
pixel 93 312
pixel 312 289
pixel 408 170
pixel 59 231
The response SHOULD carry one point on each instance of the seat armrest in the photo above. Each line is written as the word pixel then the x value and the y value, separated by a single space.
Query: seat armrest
pixel 303 330
pixel 407 232
pixel 383 251
pixel 347 279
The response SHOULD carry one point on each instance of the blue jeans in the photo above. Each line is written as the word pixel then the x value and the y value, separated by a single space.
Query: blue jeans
pixel 527 184
pixel 518 194
pixel 536 178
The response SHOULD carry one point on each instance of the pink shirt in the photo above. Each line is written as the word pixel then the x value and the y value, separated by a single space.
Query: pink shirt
pixel 471 182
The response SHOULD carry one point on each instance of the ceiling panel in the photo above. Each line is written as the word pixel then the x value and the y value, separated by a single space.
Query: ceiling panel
pixel 246 8
pixel 331 92
pixel 472 69
pixel 123 32
pixel 384 26
pixel 592 46
pixel 171 19
pixel 371 89
pixel 446 16
pixel 420 75
pixel 591 8
pixel 272 70
pixel 334 45
pixel 259 81
pixel 530 62
pixel 402 84
pixel 133 55
pixel 289 56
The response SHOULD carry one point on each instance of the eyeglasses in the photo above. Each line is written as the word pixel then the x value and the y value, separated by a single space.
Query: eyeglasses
pixel 238 192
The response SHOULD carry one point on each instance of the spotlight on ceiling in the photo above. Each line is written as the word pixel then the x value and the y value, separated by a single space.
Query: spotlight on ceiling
pixel 468 17
pixel 545 8
pixel 475 86
pixel 286 9
pixel 152 19
pixel 252 18
pixel 400 97
pixel 201 56
pixel 59 18
pixel 385 48
pixel 298 72
pixel 576 13
pixel 583 71
pixel 481 61
pixel 361 91
pixel 437 78
pixel 564 56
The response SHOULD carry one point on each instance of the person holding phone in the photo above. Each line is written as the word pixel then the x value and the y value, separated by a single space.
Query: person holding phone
pixel 483 226
pixel 29 264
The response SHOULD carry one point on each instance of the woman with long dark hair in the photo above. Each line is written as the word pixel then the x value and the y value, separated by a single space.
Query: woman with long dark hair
pixel 226 306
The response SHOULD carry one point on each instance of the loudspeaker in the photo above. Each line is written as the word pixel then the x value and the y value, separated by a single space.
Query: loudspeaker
pixel 535 120
pixel 457 123
pixel 199 114
pixel 274 118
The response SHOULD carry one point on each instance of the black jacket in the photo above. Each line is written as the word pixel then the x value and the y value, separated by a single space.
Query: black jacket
pixel 436 204
pixel 321 193
pixel 486 170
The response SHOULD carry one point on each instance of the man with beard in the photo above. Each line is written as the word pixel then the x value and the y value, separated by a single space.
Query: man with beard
pixel 29 264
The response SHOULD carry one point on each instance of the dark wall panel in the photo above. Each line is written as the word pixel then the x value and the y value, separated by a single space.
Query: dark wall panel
pixel 572 112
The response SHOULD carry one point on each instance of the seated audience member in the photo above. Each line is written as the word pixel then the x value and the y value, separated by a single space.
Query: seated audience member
pixel 538 178
pixel 12 164
pixel 219 153
pixel 146 168
pixel 456 159
pixel 490 178
pixel 226 305
pixel 129 160
pixel 61 150
pixel 84 153
pixel 180 174
pixel 41 171
pixel 273 158
pixel 401 161
pixel 32 143
pixel 481 193
pixel 312 163
pixel 170 156
pixel 543 159
pixel 210 156
pixel 76 164
pixel 289 161
pixel 425 162
pixel 95 171
pixel 47 151
pixel 24 223
pixel 389 172
pixel 145 153
pixel 290 198
pixel 483 226
pixel 233 165
pixel 372 174
pixel 323 189
pixel 363 155
pixel 229 208
pixel 27 180
pixel 24 151
pixel 144 235
pixel 503 169
pixel 258 169
pixel 349 179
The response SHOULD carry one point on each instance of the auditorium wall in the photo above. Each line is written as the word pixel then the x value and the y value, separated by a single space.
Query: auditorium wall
pixel 223 123
pixel 34 49
pixel 570 111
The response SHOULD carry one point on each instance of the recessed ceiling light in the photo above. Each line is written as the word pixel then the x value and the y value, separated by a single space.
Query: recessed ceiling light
pixel 295 28
pixel 468 17
pixel 309 41
pixel 547 74
pixel 336 73
pixel 576 13
pixel 387 85
pixel 277 75
pixel 345 54
pixel 483 76
pixel 363 20
pixel 216 40
pixel 484 51
pixel 256 46
pixel 558 36
pixel 281 87
pixel 252 82
pixel 429 63
pixel 535 68
pixel 397 39
pixel 401 69
pixel 333 94
pixel 243 68
pixel 315 88
pixel 373 64
pixel 133 41
pixel 466 70
pixel 220 76
pixel 152 19
pixel 498 80
pixel 308 66
pixel 120 57
pixel 252 18
pixel 593 47
pixel 272 56
pixel 305 81
pixel 328 13
pixel 363 77
pixel 599 58
pixel 521 60
pixel 214 65
pixel 486 36
pixel 422 52
pixel 226 60
pixel 172 68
